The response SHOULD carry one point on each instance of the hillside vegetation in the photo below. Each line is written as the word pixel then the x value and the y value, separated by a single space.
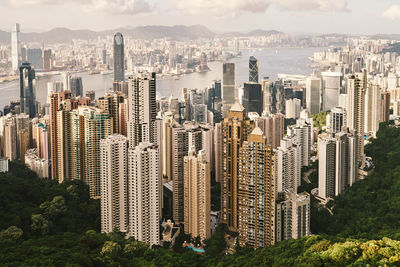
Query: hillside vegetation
pixel 44 223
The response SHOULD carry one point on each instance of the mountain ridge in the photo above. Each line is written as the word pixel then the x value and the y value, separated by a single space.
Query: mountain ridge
pixel 177 32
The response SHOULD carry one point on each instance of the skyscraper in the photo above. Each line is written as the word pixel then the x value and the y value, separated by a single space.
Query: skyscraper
pixel 273 127
pixel 35 57
pixel 47 60
pixel 110 103
pixel 235 129
pixel 292 216
pixel 15 47
pixel 292 108
pixel 114 183
pixel 338 167
pixel 338 119
pixel 97 126
pixel 27 90
pixel 357 86
pixel 252 97
pixel 253 69
pixel 288 165
pixel 228 87
pixel 119 59
pixel 144 193
pixel 256 192
pixel 197 196
pixel 385 107
pixel 302 136
pixel 76 86
pixel 141 108
pixel 372 108
pixel 313 94
pixel 179 150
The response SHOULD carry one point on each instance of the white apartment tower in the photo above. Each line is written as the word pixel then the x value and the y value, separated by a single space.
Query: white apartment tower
pixel 141 108
pixel 302 133
pixel 144 193
pixel 372 109
pixel 114 183
pixel 288 165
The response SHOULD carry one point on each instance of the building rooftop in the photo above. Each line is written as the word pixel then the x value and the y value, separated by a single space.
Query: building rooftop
pixel 237 107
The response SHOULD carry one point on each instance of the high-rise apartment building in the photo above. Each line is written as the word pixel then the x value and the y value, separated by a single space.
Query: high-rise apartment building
pixel 288 165
pixel 302 136
pixel 338 167
pixel 357 86
pixel 256 192
pixel 111 104
pixel 384 107
pixel 114 183
pixel 27 90
pixel 337 119
pixel 15 47
pixel 97 126
pixel 141 108
pixel 253 70
pixel 292 216
pixel 119 58
pixel 235 129
pixel 228 87
pixel 179 150
pixel 273 127
pixel 293 107
pixel 218 152
pixel 144 193
pixel 372 109
pixel 197 197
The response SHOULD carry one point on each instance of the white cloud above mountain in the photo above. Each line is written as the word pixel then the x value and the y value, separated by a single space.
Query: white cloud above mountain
pixel 107 6
pixel 235 7
pixel 392 13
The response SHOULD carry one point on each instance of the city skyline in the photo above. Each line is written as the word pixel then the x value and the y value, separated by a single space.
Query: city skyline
pixel 291 16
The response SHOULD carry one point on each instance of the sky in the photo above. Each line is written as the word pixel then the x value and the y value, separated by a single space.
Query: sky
pixel 289 16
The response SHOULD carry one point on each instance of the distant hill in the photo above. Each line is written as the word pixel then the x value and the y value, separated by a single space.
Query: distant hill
pixel 177 32
pixel 64 35
pixel 174 32
pixel 58 35
pixel 5 37
pixel 252 33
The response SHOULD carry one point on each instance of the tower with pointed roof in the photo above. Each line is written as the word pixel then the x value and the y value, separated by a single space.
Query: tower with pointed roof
pixel 256 192
pixel 235 129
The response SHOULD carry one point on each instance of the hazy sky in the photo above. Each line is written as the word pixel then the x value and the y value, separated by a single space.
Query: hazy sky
pixel 291 16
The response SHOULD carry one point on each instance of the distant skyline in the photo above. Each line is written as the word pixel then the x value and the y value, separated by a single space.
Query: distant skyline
pixel 290 16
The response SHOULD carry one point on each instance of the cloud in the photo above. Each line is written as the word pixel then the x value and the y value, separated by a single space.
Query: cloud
pixel 107 6
pixel 392 13
pixel 234 7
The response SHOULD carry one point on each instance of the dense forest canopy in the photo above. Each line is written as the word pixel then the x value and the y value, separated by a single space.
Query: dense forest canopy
pixel 44 223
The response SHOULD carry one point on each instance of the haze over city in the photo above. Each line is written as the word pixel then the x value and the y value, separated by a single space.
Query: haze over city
pixel 291 16
pixel 199 133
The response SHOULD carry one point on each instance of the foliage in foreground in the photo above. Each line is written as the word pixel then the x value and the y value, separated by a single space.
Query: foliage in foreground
pixel 371 207
pixel 44 223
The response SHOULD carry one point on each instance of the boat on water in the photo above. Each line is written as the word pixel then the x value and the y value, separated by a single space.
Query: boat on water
pixel 93 72
pixel 106 72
